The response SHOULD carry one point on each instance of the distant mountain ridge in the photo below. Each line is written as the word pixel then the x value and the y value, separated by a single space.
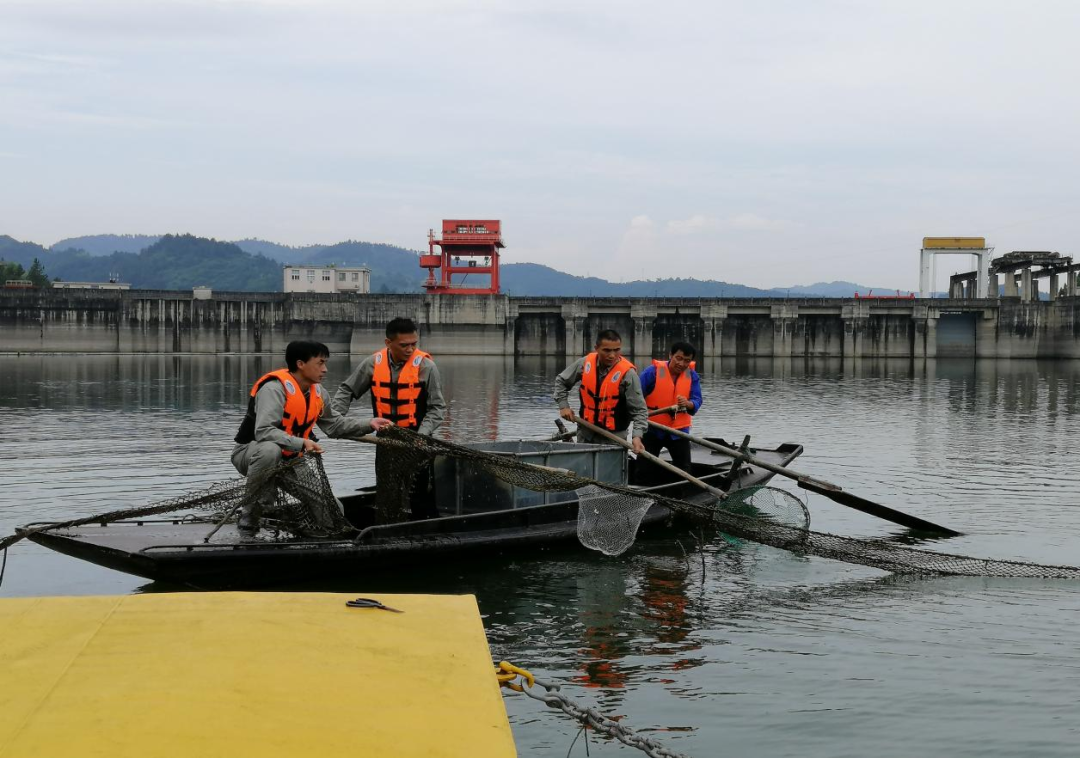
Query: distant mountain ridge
pixel 278 252
pixel 835 289
pixel 254 265
pixel 107 244
pixel 538 280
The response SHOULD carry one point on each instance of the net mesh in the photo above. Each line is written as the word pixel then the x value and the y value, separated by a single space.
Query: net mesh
pixel 304 503
pixel 608 521
pixel 765 515
pixel 397 469
pixel 304 506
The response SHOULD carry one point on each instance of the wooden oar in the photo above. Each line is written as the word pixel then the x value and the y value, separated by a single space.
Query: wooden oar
pixel 829 490
pixel 650 457
pixel 658 411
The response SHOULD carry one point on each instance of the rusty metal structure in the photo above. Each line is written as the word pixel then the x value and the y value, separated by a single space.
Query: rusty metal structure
pixel 1022 270
pixel 467 248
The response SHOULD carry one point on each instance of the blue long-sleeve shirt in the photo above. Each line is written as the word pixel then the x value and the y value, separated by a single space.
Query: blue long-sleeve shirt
pixel 648 382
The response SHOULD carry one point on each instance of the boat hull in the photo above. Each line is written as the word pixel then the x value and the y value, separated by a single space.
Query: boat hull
pixel 175 551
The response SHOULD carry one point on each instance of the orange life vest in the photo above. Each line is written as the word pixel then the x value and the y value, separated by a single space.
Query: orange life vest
pixel 300 413
pixel 665 391
pixel 405 401
pixel 604 405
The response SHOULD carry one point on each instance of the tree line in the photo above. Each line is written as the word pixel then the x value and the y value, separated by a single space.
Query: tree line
pixel 35 274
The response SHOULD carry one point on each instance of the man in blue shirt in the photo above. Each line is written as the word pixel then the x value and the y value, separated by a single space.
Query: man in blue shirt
pixel 672 385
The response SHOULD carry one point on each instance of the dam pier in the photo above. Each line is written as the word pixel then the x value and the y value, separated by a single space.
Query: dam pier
pixel 203 322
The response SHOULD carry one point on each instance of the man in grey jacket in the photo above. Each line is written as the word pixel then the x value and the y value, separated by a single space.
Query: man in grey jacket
pixel 610 392
pixel 405 388
pixel 403 380
pixel 283 407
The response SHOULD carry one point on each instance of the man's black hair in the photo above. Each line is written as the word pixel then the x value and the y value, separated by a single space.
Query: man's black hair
pixel 400 326
pixel 304 350
pixel 683 347
pixel 607 334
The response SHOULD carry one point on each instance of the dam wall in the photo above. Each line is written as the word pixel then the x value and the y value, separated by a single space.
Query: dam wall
pixel 164 322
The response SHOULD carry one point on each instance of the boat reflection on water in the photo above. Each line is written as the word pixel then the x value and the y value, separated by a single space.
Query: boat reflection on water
pixel 602 608
pixel 664 595
pixel 622 620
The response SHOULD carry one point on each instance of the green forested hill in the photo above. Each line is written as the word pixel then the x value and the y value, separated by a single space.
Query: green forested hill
pixel 393 269
pixel 174 262
pixel 22 253
pixel 185 261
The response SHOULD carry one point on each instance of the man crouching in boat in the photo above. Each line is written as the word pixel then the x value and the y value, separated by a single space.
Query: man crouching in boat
pixel 284 406
pixel 610 392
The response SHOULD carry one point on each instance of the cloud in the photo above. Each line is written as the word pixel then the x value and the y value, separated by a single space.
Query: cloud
pixel 693 225
pixel 639 239
pixel 754 222
pixel 700 223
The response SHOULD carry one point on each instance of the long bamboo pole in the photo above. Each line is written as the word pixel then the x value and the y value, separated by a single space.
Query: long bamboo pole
pixel 650 457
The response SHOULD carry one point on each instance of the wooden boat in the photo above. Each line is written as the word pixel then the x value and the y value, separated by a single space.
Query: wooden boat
pixel 175 550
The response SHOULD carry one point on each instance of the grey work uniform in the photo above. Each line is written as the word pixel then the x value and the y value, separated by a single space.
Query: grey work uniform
pixel 256 459
pixel 629 387
pixel 359 382
pixel 431 410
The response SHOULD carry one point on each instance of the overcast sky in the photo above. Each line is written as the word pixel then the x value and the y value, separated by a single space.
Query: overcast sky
pixel 763 143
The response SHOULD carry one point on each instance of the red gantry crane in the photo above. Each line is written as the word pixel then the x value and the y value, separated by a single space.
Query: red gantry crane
pixel 469 248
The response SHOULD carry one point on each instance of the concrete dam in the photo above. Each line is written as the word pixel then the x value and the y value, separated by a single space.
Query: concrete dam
pixel 164 322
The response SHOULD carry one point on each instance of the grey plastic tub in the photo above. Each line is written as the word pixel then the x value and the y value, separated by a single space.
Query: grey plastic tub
pixel 463 486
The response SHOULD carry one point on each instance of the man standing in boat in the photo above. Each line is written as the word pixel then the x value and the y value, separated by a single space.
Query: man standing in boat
pixel 610 392
pixel 672 392
pixel 406 389
pixel 283 407
pixel 403 380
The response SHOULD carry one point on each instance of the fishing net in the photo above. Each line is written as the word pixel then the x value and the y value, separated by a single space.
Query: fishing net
pixel 300 503
pixel 769 503
pixel 304 504
pixel 883 554
pixel 766 515
pixel 608 521
pixel 398 470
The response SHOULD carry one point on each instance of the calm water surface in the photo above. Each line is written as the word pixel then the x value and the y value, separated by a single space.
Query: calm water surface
pixel 734 650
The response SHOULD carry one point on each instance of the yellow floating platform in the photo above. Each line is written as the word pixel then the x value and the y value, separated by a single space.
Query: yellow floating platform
pixel 247 674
